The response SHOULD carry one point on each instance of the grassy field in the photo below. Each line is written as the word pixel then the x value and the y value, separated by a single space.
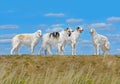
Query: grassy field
pixel 28 69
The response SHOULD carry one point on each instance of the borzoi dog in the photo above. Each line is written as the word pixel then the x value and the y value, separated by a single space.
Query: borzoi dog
pixel 72 40
pixel 30 40
pixel 99 41
pixel 56 39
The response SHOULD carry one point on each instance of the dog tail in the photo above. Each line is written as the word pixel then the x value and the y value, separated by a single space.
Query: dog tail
pixel 107 45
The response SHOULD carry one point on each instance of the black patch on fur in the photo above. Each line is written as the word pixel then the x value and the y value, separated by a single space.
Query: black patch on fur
pixel 69 35
pixel 54 34
pixel 78 28
pixel 66 29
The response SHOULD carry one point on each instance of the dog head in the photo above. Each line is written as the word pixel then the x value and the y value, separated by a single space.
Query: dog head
pixel 79 29
pixel 69 31
pixel 38 33
pixel 92 30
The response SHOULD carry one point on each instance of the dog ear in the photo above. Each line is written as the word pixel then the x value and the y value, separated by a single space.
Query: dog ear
pixel 93 30
pixel 78 28
pixel 38 31
pixel 66 29
pixel 57 35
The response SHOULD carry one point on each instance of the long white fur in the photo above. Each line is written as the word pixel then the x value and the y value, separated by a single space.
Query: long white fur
pixel 99 41
pixel 48 42
pixel 30 40
pixel 73 39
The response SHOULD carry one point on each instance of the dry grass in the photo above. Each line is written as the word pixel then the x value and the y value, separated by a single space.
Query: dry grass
pixel 27 69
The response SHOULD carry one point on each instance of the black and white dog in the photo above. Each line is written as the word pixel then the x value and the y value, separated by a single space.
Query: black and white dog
pixel 73 38
pixel 56 39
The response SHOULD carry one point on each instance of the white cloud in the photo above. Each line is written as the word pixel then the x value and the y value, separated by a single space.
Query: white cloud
pixel 114 38
pixel 102 26
pixel 51 28
pixel 9 26
pixel 114 35
pixel 42 26
pixel 118 49
pixel 113 19
pixel 5 40
pixel 55 28
pixel 56 25
pixel 99 25
pixel 6 36
pixel 85 43
pixel 54 15
pixel 74 21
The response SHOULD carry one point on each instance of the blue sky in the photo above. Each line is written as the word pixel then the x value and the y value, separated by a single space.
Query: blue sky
pixel 27 16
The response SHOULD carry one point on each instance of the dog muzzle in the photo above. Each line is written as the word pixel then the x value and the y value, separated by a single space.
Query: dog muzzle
pixel 69 33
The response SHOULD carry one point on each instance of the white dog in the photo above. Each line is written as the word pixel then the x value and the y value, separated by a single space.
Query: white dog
pixel 72 40
pixel 30 40
pixel 99 41
pixel 56 39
